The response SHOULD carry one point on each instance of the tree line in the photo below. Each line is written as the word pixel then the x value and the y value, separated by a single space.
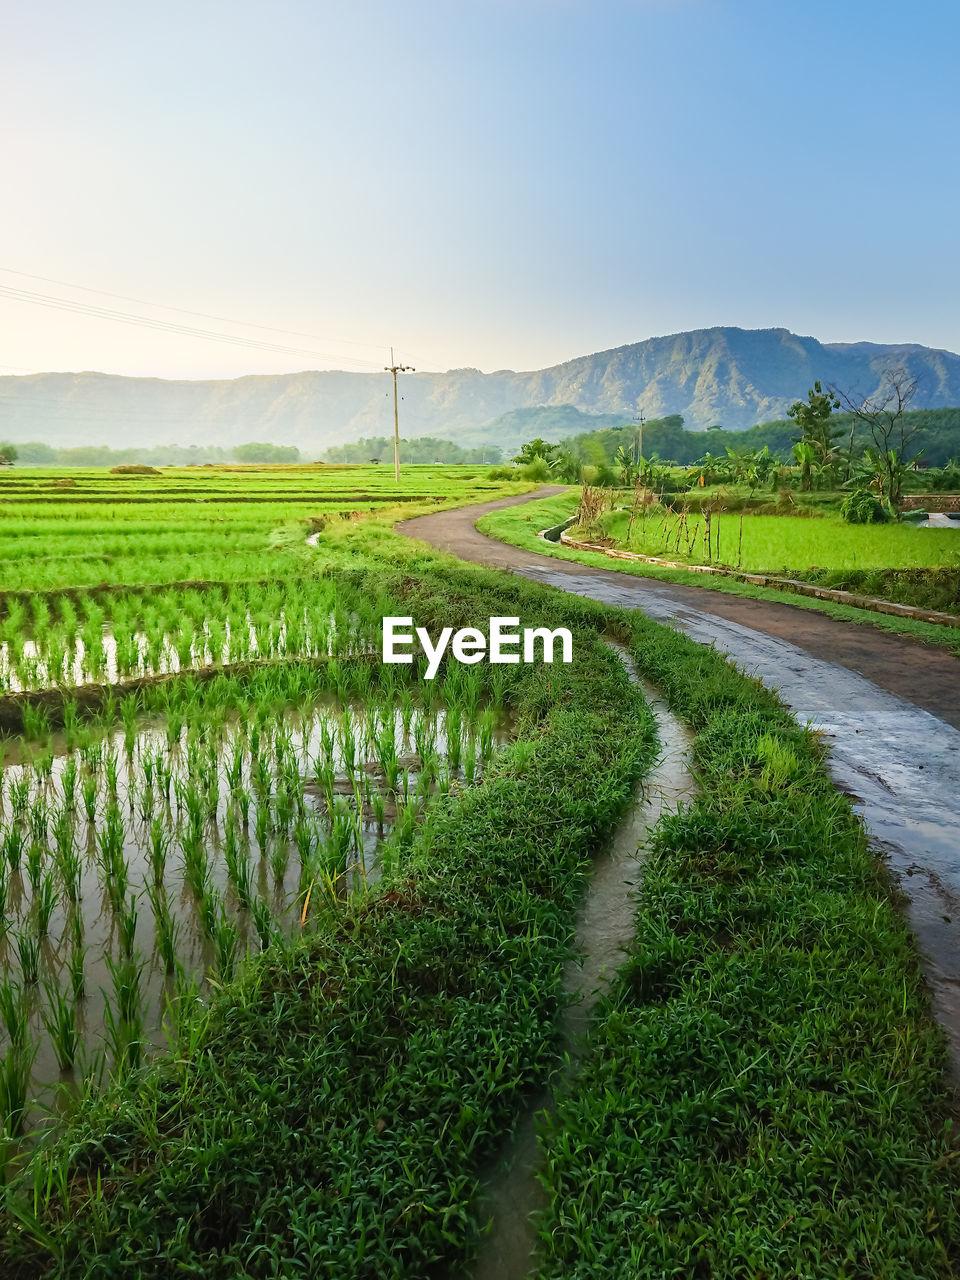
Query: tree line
pixel 35 454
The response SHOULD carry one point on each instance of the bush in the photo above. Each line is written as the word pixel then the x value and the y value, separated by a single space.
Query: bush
pixel 134 469
pixel 863 507
pixel 536 470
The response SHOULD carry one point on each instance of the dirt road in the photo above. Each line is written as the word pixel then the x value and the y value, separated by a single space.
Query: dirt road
pixel 889 707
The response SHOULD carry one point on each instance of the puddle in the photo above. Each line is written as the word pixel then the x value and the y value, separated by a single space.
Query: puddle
pixel 511 1193
pixel 899 764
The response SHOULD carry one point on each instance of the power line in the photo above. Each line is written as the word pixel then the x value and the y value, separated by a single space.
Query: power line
pixel 165 326
pixel 203 315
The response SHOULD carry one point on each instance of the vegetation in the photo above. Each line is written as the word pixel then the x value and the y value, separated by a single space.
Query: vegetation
pixel 422 449
pixel 424 1007
pixel 223 524
pixel 779 543
pixel 261 452
pixel 937 433
pixel 520 526
pixel 758 1071
pixel 350 892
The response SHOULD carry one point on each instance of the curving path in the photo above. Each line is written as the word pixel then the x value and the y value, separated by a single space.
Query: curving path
pixel 888 706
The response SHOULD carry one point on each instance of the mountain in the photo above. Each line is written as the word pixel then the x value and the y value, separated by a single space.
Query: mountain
pixel 736 377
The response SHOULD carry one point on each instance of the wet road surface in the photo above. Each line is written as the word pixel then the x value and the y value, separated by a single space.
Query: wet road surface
pixel 888 707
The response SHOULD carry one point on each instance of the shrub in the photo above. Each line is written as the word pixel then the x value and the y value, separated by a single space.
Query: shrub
pixel 537 470
pixel 863 507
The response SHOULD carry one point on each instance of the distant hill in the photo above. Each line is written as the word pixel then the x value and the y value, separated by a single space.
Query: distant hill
pixel 736 377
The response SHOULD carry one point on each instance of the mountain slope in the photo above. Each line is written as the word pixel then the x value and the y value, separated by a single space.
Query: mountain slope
pixel 736 377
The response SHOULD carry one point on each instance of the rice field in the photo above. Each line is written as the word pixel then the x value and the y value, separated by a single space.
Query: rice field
pixel 284 929
pixel 777 544
pixel 137 862
pixel 197 523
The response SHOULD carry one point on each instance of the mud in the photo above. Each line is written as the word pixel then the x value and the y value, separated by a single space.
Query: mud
pixel 887 707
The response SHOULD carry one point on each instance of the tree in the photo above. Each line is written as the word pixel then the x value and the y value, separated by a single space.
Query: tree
pixel 259 452
pixel 8 452
pixel 885 417
pixel 805 456
pixel 535 449
pixel 567 465
pixel 626 465
pixel 813 416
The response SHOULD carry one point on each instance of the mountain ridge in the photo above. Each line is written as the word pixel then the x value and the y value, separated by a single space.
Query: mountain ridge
pixel 723 374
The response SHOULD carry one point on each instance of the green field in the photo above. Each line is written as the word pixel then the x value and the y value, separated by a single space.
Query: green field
pixel 784 543
pixel 196 522
pixel 283 929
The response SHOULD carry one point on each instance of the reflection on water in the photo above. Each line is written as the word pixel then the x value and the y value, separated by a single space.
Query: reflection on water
pixel 176 849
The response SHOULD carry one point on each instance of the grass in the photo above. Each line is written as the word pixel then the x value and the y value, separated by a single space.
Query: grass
pixel 520 525
pixel 763 1091
pixel 782 543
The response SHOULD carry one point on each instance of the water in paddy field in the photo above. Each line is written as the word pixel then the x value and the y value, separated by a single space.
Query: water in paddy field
pixel 308 804
pixel 32 667
pixel 511 1194
pixel 899 764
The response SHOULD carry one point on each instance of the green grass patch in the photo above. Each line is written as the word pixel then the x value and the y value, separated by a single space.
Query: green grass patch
pixel 764 1092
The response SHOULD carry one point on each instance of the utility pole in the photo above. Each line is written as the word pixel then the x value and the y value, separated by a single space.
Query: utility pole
pixel 395 368
pixel 639 418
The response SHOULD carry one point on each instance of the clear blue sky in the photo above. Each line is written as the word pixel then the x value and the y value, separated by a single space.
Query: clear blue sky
pixel 496 183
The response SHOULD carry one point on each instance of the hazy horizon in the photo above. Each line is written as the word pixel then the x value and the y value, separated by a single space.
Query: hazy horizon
pixel 495 186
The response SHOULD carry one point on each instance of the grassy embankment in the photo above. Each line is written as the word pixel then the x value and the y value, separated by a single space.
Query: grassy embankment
pixel 519 526
pixel 763 1094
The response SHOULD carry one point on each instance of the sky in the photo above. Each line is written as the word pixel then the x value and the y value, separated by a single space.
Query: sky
pixel 486 183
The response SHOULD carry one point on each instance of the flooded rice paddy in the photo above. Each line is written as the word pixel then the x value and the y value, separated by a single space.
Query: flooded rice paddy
pixel 139 864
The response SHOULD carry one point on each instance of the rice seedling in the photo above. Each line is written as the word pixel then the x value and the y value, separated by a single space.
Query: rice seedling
pixel 19 797
pixel 110 765
pixel 263 922
pixel 39 814
pixel 166 928
pixel 76 966
pixel 15 1009
pixel 45 902
pixel 128 711
pixel 453 731
pixel 196 867
pixel 127 927
pixel 378 808
pixel 60 1021
pixel 15 1067
pixel 88 789
pixel 35 859
pixel 262 827
pixel 226 940
pixel 28 954
pixel 279 859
